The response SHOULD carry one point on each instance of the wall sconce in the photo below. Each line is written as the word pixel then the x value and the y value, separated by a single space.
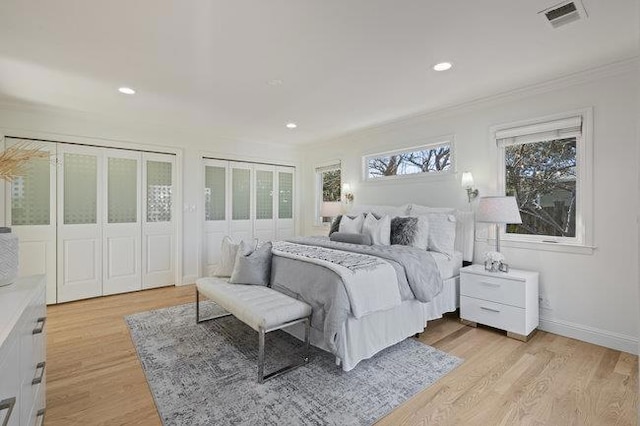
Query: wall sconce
pixel 467 183
pixel 346 193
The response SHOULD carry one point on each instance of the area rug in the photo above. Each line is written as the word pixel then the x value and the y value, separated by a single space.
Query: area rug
pixel 205 374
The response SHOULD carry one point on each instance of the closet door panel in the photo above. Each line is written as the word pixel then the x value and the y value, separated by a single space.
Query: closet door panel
pixel 264 191
pixel 158 228
pixel 122 244
pixel 80 222
pixel 216 215
pixel 242 209
pixel 31 214
pixel 285 224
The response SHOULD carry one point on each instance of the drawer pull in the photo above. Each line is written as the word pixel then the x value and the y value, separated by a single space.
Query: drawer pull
pixel 489 309
pixel 38 380
pixel 7 404
pixel 40 329
pixel 484 283
pixel 40 415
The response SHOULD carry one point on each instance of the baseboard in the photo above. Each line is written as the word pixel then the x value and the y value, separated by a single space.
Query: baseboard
pixel 189 279
pixel 593 335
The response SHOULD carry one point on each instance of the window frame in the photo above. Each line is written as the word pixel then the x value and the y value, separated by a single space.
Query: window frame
pixel 431 144
pixel 319 170
pixel 584 183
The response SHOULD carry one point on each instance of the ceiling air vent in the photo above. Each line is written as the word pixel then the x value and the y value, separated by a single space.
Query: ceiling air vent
pixel 564 13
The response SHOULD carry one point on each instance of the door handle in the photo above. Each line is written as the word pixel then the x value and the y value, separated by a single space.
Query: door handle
pixel 41 321
pixel 489 309
pixel 38 380
pixel 7 404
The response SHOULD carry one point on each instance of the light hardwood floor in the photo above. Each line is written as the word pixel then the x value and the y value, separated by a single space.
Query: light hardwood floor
pixel 94 376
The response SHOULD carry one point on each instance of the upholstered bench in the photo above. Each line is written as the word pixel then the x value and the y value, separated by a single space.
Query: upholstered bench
pixel 259 307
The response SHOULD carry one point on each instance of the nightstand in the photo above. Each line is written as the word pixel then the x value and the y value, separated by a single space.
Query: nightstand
pixel 504 300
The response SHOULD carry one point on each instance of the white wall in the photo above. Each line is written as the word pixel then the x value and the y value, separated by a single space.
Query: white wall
pixel 593 297
pixel 103 130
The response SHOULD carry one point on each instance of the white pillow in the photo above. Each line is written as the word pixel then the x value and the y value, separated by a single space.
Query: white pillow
pixel 442 233
pixel 378 229
pixel 418 210
pixel 228 252
pixel 352 226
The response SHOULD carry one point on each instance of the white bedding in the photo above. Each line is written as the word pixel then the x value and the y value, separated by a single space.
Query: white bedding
pixel 448 267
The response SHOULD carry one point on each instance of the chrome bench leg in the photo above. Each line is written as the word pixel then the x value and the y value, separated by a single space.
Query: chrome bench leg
pixel 198 320
pixel 305 359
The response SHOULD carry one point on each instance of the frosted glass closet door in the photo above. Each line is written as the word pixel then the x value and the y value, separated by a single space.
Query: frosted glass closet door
pixel 285 224
pixel 79 222
pixel 216 211
pixel 122 243
pixel 158 228
pixel 241 226
pixel 264 191
pixel 31 214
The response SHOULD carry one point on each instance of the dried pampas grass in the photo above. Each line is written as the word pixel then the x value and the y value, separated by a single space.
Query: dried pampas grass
pixel 14 159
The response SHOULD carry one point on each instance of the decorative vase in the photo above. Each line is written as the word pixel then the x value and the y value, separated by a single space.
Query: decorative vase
pixel 8 257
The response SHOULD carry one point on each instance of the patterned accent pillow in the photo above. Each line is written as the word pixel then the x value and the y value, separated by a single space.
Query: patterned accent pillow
pixel 410 231
pixel 253 266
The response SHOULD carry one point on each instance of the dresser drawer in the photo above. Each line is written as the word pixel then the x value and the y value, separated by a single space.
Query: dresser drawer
pixel 494 289
pixel 496 315
pixel 10 400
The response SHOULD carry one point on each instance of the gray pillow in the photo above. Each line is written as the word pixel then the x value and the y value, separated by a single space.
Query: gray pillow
pixel 335 225
pixel 252 266
pixel 410 231
pixel 346 237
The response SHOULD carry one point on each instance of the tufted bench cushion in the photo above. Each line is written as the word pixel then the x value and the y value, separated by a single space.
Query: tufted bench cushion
pixel 257 306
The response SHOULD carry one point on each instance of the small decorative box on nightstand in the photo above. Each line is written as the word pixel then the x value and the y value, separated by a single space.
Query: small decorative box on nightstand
pixel 504 300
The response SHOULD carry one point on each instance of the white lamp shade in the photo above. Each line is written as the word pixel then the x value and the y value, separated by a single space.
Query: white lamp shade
pixel 467 180
pixel 498 210
pixel 331 209
pixel 346 188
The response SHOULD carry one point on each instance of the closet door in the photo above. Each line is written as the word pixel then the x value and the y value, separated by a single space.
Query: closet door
pixel 80 221
pixel 158 229
pixel 241 225
pixel 216 215
pixel 285 225
pixel 31 214
pixel 123 225
pixel 264 191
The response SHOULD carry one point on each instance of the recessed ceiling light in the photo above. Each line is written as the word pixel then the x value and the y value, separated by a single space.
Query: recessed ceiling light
pixel 291 125
pixel 275 82
pixel 127 90
pixel 442 66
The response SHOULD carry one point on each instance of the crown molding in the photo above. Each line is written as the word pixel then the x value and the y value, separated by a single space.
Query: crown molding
pixel 591 74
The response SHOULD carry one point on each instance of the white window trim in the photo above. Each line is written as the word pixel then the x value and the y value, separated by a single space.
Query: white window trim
pixel 430 144
pixel 583 242
pixel 318 169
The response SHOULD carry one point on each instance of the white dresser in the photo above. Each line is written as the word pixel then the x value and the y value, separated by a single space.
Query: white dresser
pixel 22 352
pixel 504 300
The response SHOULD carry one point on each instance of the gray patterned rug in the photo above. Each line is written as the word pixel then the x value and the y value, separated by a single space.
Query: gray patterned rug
pixel 205 374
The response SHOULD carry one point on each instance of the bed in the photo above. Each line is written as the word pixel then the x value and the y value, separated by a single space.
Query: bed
pixel 354 334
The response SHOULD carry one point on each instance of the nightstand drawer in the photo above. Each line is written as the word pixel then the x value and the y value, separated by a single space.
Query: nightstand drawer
pixel 496 315
pixel 494 289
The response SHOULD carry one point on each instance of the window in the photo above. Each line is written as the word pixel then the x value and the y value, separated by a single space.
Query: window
pixel 434 158
pixel 544 165
pixel 328 188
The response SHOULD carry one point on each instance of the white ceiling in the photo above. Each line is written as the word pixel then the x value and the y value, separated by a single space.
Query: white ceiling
pixel 344 64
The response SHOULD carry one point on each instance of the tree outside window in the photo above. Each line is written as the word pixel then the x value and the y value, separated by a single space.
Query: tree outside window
pixel 542 177
pixel 427 160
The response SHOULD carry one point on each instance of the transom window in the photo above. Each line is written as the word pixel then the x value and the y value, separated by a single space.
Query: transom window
pixel 544 165
pixel 427 159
